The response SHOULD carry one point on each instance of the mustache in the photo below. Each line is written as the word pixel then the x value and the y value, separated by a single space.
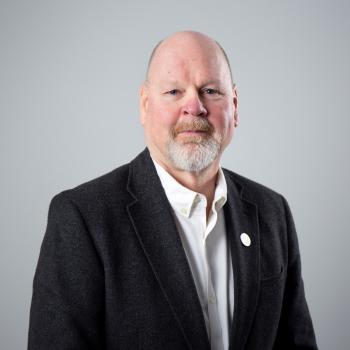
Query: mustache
pixel 197 124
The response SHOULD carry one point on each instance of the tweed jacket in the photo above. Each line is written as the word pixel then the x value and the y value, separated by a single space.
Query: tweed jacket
pixel 112 272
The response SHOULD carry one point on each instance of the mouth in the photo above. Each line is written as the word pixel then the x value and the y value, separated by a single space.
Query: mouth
pixel 192 136
pixel 192 132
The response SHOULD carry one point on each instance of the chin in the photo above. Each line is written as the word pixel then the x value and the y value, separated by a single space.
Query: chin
pixel 193 156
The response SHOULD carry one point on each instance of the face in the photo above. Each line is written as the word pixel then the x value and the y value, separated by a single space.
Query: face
pixel 188 105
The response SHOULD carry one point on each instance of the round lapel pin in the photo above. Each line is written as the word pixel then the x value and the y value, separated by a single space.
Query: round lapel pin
pixel 245 239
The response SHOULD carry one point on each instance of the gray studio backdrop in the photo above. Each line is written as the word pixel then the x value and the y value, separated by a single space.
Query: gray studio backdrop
pixel 69 78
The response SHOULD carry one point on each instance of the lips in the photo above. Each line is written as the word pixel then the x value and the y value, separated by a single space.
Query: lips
pixel 197 131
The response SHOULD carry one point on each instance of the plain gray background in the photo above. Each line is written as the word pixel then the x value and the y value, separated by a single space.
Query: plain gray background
pixel 69 78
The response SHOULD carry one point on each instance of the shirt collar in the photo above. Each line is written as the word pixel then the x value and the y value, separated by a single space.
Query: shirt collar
pixel 183 199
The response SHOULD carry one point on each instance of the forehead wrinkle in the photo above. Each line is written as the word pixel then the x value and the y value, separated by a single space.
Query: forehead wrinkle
pixel 176 82
pixel 182 79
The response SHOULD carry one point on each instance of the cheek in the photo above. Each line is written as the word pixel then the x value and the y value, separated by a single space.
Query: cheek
pixel 221 118
pixel 162 115
pixel 161 119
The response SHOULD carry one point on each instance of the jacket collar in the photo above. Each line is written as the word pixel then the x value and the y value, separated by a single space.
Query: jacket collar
pixel 154 225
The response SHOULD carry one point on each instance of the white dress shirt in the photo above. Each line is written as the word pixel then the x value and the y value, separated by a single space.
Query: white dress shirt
pixel 207 251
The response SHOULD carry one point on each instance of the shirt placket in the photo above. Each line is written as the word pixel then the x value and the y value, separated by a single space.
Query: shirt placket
pixel 213 312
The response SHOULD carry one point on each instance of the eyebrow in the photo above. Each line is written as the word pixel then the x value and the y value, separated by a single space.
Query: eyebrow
pixel 217 82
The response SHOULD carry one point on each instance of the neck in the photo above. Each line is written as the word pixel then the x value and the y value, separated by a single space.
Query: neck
pixel 203 182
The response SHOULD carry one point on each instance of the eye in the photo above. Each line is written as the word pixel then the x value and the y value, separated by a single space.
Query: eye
pixel 173 92
pixel 210 91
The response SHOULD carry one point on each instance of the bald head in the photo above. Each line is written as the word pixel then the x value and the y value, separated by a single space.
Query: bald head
pixel 192 38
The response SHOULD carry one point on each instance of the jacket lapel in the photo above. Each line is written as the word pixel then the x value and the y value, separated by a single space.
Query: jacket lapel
pixel 241 216
pixel 154 225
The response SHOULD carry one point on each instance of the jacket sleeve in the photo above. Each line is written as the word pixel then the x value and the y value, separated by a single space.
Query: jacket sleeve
pixel 295 330
pixel 67 310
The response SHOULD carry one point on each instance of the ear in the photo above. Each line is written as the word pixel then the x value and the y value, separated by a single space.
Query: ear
pixel 143 102
pixel 235 106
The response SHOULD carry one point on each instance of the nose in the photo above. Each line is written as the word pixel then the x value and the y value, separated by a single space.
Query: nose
pixel 194 107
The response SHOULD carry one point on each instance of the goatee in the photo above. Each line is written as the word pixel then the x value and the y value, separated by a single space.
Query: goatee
pixel 196 152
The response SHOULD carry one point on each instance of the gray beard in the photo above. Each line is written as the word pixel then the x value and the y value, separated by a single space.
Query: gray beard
pixel 193 156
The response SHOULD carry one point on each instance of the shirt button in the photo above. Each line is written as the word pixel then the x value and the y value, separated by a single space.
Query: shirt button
pixel 212 300
pixel 184 211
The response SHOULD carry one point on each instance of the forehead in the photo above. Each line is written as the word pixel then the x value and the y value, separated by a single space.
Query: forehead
pixel 182 61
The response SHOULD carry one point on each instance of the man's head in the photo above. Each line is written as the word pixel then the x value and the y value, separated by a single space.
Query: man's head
pixel 188 102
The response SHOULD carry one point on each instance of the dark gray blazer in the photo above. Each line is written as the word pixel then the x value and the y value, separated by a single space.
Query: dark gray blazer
pixel 112 273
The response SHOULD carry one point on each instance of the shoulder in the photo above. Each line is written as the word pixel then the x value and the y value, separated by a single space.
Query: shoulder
pixel 96 194
pixel 254 192
pixel 109 194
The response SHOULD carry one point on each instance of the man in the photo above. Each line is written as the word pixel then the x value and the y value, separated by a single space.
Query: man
pixel 170 251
